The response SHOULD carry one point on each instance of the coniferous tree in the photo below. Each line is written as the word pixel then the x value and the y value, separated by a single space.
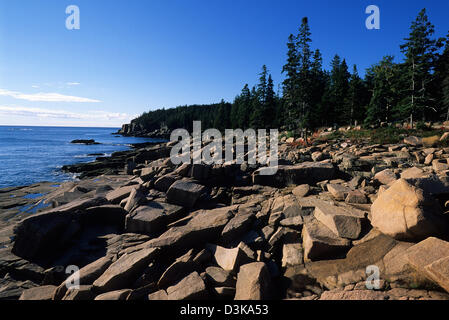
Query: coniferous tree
pixel 420 51
pixel 290 83
pixel 384 96
pixel 441 83
pixel 319 81
pixel 356 97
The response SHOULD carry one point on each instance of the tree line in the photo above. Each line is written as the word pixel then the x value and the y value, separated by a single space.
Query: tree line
pixel 413 90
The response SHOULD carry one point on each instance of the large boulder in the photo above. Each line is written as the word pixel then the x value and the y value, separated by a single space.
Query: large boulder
pixel 43 234
pixel 406 212
pixel 253 282
pixel 345 223
pixel 184 193
pixel 152 217
pixel 321 243
pixel 304 173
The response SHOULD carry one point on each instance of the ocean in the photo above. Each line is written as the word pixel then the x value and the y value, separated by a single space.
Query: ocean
pixel 34 154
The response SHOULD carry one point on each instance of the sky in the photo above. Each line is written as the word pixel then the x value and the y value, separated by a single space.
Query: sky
pixel 133 56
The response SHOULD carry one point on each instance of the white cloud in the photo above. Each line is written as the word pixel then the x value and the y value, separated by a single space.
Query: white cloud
pixel 41 113
pixel 45 97
pixel 73 84
pixel 35 87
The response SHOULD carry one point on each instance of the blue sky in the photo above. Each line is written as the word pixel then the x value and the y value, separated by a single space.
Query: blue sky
pixel 132 56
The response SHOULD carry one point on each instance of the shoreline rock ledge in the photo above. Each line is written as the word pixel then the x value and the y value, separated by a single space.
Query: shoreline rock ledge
pixel 139 227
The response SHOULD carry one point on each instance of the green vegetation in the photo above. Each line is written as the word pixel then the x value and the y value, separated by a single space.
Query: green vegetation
pixel 387 135
pixel 414 91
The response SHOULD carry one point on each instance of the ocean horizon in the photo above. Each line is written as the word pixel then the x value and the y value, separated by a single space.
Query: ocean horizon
pixel 32 154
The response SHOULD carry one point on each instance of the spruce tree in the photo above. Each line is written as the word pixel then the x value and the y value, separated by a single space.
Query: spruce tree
pixel 290 83
pixel 356 97
pixel 384 95
pixel 420 51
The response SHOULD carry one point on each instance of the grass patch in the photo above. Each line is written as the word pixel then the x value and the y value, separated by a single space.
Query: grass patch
pixel 388 135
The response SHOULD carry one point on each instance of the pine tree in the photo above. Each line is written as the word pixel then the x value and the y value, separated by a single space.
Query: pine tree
pixel 420 51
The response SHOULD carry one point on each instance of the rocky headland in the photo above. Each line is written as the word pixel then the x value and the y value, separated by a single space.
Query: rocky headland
pixel 139 227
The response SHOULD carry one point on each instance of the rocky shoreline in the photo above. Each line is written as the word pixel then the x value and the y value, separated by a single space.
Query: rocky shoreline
pixel 141 228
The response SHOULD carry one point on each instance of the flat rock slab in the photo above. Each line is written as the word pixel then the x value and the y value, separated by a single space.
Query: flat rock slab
pixel 114 295
pixel 202 227
pixel 119 194
pixel 338 191
pixel 125 270
pixel 439 272
pixel 152 217
pixel 38 293
pixel 85 276
pixel 82 293
pixel 184 193
pixel 430 258
pixel 191 287
pixel 354 295
pixel 344 223
pixel 304 173
pixel 321 243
